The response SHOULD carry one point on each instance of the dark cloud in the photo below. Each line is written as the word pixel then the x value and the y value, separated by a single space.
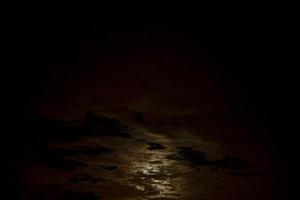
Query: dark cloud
pixel 196 158
pixel 155 146
pixel 97 124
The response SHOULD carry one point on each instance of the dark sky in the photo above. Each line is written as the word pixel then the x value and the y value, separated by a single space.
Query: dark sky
pixel 64 61
pixel 46 50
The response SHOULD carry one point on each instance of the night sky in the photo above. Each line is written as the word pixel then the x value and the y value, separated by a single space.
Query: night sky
pixel 174 106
